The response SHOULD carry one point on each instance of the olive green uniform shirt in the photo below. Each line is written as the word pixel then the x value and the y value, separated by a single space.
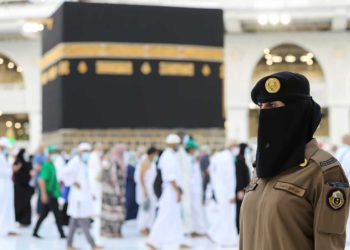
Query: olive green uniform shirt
pixel 303 208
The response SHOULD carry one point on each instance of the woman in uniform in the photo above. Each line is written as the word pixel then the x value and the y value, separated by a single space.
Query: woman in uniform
pixel 299 196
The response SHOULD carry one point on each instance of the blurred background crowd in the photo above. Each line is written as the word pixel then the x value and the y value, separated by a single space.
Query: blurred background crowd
pixel 118 185
pixel 107 186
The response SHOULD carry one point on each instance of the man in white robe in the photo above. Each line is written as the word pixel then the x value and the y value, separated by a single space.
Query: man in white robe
pixel 196 195
pixel 146 199
pixel 80 199
pixel 343 156
pixel 223 179
pixel 7 200
pixel 95 175
pixel 185 166
pixel 168 228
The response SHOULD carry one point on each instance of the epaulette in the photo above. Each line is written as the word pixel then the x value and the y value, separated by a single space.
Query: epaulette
pixel 325 160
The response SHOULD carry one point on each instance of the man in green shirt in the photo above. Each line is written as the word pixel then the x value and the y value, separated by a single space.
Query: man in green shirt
pixel 50 192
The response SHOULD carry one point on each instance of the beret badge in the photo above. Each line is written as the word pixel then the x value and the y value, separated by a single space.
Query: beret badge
pixel 272 85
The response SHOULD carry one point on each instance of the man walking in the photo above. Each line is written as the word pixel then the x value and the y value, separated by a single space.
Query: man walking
pixel 50 192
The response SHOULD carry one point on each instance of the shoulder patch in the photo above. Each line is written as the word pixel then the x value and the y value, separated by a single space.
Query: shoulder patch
pixel 325 160
pixel 336 199
pixel 328 162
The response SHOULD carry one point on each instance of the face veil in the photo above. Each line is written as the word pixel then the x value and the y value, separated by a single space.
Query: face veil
pixel 282 135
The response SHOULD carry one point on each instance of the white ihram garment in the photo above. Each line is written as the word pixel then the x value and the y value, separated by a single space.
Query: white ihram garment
pixel 223 178
pixel 145 218
pixel 7 200
pixel 80 200
pixel 59 166
pixel 95 176
pixel 168 228
pixel 198 216
pixel 186 208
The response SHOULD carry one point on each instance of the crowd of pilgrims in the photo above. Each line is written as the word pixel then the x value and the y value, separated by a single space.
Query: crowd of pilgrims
pixel 97 190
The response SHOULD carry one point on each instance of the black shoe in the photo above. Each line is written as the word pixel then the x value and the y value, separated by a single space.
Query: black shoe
pixel 63 237
pixel 37 236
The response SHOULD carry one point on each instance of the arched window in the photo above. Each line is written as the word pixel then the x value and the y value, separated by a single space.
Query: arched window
pixel 288 57
pixel 10 72
pixel 14 126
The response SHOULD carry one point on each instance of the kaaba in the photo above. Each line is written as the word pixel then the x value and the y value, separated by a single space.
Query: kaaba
pixel 111 67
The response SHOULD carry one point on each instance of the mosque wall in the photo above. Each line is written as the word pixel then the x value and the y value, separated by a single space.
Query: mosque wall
pixel 25 98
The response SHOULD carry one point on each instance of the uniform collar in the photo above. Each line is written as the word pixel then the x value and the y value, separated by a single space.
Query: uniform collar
pixel 311 148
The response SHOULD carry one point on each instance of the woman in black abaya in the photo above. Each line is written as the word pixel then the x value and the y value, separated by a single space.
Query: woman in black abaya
pixel 23 191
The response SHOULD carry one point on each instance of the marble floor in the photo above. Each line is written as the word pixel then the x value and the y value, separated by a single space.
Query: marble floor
pixel 51 241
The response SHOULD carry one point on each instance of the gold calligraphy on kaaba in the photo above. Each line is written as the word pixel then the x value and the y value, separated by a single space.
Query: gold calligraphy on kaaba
pixel 121 67
pixel 60 69
pixel 146 68
pixel 176 69
pixel 63 68
pixel 206 70
pixel 52 73
pixel 57 61
pixel 112 67
pixel 124 67
pixel 131 50
pixel 82 67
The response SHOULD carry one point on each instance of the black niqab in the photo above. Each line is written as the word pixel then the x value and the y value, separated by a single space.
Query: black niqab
pixel 283 134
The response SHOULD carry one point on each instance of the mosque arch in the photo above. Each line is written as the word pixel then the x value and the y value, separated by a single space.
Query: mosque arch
pixel 10 71
pixel 291 57
pixel 288 57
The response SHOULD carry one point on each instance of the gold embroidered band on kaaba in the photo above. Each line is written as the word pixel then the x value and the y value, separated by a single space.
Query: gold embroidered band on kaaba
pixel 113 67
pixel 118 67
pixel 176 69
pixel 131 51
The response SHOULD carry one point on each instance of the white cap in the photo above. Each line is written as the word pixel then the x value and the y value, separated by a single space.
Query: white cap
pixel 173 139
pixel 84 146
pixel 5 142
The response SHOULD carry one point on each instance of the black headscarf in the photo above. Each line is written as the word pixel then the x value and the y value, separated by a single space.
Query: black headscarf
pixel 242 148
pixel 284 132
pixel 20 157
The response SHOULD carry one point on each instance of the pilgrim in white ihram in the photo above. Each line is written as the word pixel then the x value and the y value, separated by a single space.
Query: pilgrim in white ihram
pixel 80 200
pixel 145 197
pixel 223 179
pixel 168 228
pixel 7 208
